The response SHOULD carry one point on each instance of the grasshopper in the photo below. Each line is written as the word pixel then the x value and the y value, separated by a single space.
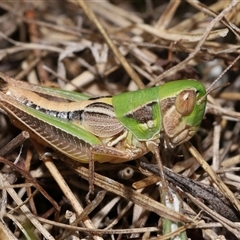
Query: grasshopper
pixel 105 129
pixel 111 129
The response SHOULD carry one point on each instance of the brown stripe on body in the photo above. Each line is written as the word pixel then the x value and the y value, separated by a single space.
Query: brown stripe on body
pixel 144 114
pixel 23 95
pixel 175 129
pixel 100 119
pixel 170 117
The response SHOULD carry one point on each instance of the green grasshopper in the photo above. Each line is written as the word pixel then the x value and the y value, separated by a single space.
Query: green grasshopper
pixel 105 129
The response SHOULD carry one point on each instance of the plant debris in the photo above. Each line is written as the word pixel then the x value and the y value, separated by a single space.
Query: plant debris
pixel 104 48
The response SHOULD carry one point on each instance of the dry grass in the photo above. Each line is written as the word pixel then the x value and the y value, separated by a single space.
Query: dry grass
pixel 105 48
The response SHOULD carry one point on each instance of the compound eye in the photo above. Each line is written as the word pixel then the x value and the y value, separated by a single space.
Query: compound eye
pixel 185 102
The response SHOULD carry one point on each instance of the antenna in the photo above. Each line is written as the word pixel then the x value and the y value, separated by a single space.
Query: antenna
pixel 210 89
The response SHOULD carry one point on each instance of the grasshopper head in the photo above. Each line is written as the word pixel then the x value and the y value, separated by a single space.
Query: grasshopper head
pixel 182 113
